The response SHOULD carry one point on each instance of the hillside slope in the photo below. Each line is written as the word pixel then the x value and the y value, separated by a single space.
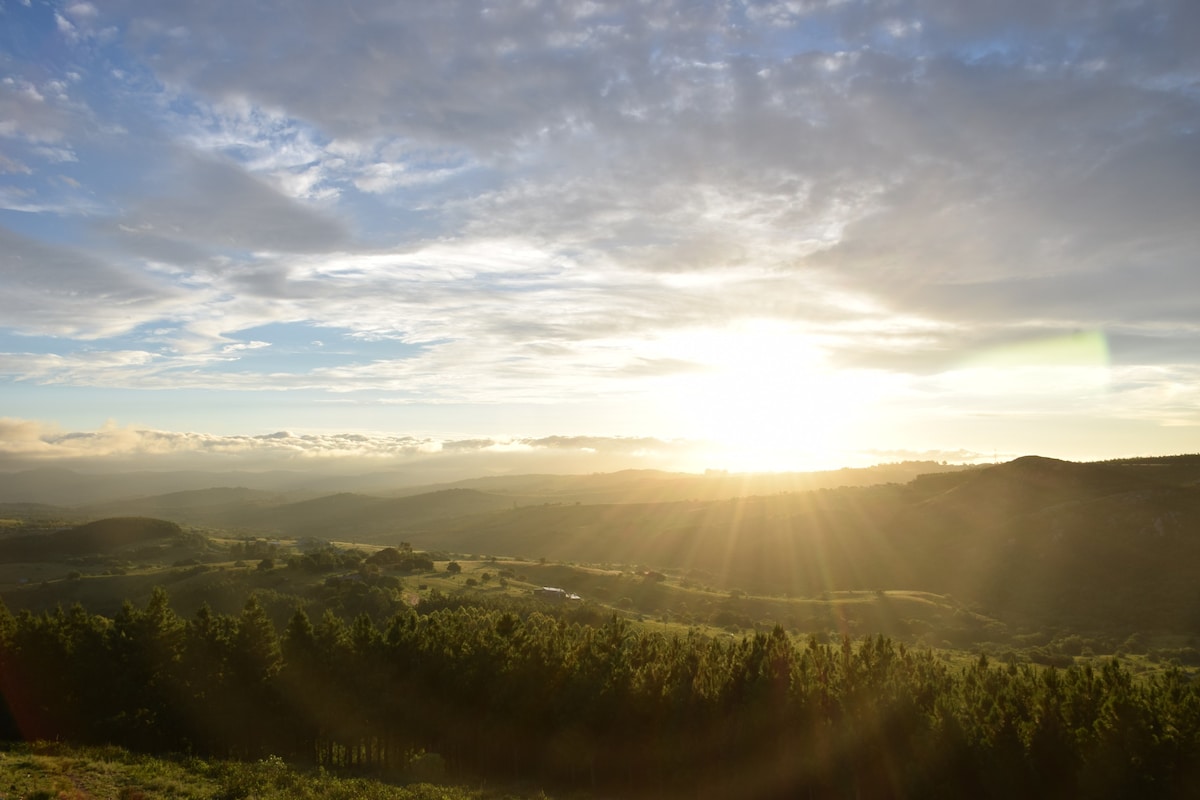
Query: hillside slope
pixel 1033 541
pixel 363 518
pixel 101 536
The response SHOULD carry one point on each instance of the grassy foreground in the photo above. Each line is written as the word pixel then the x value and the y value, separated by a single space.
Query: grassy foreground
pixel 49 771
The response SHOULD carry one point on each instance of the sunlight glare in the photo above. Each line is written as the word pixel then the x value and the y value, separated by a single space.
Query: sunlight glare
pixel 765 398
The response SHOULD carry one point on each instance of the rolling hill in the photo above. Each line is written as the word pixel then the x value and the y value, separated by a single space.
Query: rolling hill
pixel 101 536
pixel 62 487
pixel 218 506
pixel 361 518
pixel 1033 542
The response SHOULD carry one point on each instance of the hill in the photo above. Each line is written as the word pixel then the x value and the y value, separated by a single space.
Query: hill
pixel 217 506
pixel 342 516
pixel 654 486
pixel 1035 541
pixel 384 520
pixel 101 536
pixel 362 518
pixel 26 514
pixel 61 487
pixel 801 543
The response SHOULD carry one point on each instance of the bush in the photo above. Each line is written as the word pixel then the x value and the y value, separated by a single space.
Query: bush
pixel 1047 658
pixel 426 768
pixel 1135 644
pixel 1188 656
pixel 1074 645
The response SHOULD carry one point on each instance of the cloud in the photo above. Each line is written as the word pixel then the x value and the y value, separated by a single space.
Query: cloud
pixel 608 444
pixel 12 166
pixel 56 155
pixel 454 73
pixel 81 10
pixel 62 291
pixel 26 443
pixel 30 114
pixel 959 456
pixel 214 204
pixel 25 437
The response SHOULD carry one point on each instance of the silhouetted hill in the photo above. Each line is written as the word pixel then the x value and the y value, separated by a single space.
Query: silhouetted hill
pixel 63 487
pixel 362 518
pixel 1031 483
pixel 1035 541
pixel 1180 470
pixel 101 536
pixel 49 485
pixel 446 503
pixel 1041 541
pixel 801 543
pixel 357 517
pixel 1124 556
pixel 68 488
pixel 328 516
pixel 651 486
pixel 40 512
pixel 220 506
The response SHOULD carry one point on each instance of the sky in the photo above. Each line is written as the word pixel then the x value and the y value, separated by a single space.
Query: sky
pixel 585 236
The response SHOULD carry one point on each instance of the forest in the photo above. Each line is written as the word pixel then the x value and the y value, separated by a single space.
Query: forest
pixel 611 707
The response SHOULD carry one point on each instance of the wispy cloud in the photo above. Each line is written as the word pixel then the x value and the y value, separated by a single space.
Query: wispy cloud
pixel 50 288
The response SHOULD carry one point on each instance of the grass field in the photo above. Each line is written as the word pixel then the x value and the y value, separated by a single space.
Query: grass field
pixel 45 771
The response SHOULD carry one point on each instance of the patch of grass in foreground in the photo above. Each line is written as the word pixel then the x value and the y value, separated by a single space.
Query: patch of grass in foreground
pixel 50 771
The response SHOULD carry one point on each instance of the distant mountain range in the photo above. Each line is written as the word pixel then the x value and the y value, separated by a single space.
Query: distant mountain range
pixel 64 487
pixel 67 488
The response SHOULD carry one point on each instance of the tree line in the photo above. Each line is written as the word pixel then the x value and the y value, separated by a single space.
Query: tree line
pixel 612 707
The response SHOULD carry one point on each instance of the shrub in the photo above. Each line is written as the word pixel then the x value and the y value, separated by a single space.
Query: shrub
pixel 426 768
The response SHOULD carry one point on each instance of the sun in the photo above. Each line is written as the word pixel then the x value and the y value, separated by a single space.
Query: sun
pixel 765 399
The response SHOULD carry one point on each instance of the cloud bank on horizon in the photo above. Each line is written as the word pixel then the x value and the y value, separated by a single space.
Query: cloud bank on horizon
pixel 832 225
pixel 28 444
